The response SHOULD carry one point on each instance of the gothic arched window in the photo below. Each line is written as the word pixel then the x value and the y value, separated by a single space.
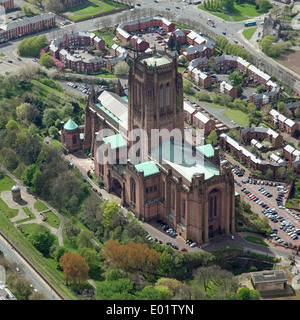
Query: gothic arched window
pixel 161 96
pixel 167 95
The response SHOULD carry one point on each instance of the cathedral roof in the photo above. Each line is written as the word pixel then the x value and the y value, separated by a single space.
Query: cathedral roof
pixel 149 168
pixel 70 125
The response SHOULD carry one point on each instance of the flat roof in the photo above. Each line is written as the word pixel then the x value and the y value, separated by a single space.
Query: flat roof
pixel 116 141
pixel 156 60
pixel 181 158
pixel 149 168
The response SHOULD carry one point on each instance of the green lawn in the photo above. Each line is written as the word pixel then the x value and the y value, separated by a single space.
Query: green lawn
pixel 256 240
pixel 238 116
pixel 6 183
pixel 241 12
pixel 94 7
pixel 248 33
pixel 40 206
pixel 52 219
pixel 11 213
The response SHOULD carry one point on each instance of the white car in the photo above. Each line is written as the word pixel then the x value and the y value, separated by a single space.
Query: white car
pixel 193 244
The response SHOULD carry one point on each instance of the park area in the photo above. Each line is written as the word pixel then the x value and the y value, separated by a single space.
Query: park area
pixel 90 9
pixel 290 59
pixel 238 12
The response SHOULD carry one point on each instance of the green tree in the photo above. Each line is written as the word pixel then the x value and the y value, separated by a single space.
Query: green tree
pixel 149 293
pixel 42 240
pixel 121 289
pixel 28 175
pixel 297 112
pixel 213 138
pixel 50 116
pixel 171 42
pixel 47 61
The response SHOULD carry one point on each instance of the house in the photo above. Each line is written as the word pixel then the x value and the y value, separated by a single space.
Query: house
pixel 283 123
pixel 227 88
pixel 261 133
pixel 202 121
pixel 199 77
pixel 7 4
pixel 26 26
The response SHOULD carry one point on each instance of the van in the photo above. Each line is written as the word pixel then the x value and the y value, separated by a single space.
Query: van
pixel 280 188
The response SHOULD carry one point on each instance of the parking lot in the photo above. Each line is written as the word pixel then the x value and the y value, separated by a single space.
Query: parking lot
pixel 267 198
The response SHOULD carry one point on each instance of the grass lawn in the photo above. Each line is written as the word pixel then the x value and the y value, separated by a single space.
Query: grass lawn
pixel 238 116
pixel 6 183
pixel 248 33
pixel 106 36
pixel 93 8
pixel 40 206
pixel 11 213
pixel 52 219
pixel 241 12
pixel 256 240
pixel 55 142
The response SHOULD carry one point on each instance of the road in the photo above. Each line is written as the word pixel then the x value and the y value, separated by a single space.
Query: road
pixel 185 11
pixel 37 282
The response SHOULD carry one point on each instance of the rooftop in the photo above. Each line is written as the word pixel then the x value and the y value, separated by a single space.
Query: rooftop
pixel 149 168
pixel 156 60
pixel 70 125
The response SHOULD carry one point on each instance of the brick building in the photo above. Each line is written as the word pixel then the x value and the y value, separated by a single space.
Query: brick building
pixel 283 123
pixel 247 157
pixel 62 49
pixel 260 134
pixel 27 26
pixel 124 30
pixel 7 4
pixel 196 199
pixel 227 88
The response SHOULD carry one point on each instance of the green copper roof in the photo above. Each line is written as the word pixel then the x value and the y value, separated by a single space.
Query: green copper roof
pixel 148 167
pixel 70 125
pixel 207 150
pixel 116 141
pixel 181 159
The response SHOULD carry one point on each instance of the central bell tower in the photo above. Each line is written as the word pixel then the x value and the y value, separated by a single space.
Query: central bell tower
pixel 155 94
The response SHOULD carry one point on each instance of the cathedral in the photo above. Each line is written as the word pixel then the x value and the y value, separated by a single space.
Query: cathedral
pixel 141 154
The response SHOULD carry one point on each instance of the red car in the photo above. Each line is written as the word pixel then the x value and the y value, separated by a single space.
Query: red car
pixel 183 249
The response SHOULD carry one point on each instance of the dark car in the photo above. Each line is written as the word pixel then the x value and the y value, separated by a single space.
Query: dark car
pixel 168 243
pixel 175 247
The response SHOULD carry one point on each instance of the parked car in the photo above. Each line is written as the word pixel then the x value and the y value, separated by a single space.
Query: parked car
pixel 193 244
pixel 183 249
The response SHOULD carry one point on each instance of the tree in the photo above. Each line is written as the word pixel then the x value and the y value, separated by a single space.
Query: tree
pixel 269 173
pixel 28 175
pixel 261 89
pixel 171 42
pixel 297 112
pixel 213 138
pixel 74 268
pixel 121 68
pixel 120 289
pixel 131 257
pixel 264 6
pixel 49 118
pixel 47 61
pixel 92 257
pixel 42 240
pixel 149 293
pixel 281 172
pixel 53 131
pixel 280 106
pixel 236 77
